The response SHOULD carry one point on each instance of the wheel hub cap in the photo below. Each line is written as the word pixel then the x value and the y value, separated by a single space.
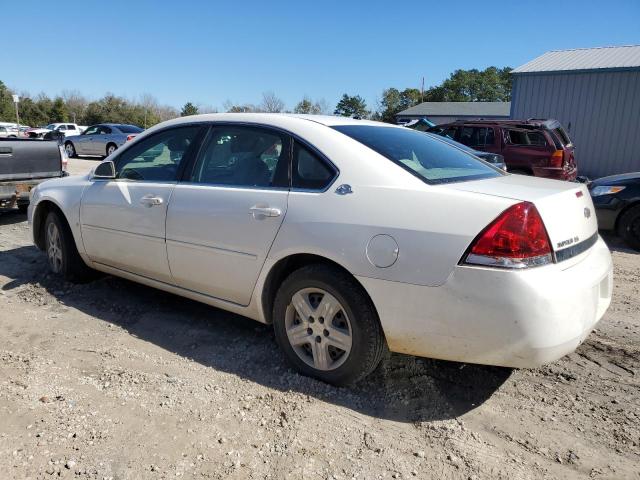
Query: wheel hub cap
pixel 54 248
pixel 318 329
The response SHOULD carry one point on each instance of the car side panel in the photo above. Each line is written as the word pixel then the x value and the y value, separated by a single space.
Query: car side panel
pixel 432 231
pixel 66 194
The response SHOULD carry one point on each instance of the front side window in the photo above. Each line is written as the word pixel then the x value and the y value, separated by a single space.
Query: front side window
pixel 158 157
pixel 104 130
pixel 244 156
pixel 309 171
pixel 427 157
pixel 91 130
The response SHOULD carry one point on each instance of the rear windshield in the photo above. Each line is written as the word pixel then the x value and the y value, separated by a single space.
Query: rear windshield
pixel 129 129
pixel 427 157
pixel 562 136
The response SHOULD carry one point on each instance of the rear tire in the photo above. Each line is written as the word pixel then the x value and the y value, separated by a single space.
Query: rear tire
pixel 337 338
pixel 112 147
pixel 70 150
pixel 23 207
pixel 62 253
pixel 629 227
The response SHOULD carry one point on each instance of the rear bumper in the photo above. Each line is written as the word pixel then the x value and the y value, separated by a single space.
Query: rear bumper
pixel 17 192
pixel 567 174
pixel 498 317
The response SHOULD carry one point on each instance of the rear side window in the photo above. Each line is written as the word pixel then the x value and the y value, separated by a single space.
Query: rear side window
pixel 427 157
pixel 244 157
pixel 477 136
pixel 310 172
pixel 524 137
pixel 129 129
pixel 71 127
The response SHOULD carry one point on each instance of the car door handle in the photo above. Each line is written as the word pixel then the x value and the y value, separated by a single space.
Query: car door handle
pixel 265 211
pixel 151 200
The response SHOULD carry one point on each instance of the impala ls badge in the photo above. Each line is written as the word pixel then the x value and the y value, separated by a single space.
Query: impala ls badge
pixel 587 213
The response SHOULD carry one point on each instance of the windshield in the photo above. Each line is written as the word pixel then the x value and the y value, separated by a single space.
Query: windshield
pixel 427 157
pixel 129 129
pixel 51 126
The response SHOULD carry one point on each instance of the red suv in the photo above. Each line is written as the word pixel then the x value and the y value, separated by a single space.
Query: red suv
pixel 531 147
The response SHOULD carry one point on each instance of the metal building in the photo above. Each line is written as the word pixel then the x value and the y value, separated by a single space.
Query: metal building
pixel 595 93
pixel 445 112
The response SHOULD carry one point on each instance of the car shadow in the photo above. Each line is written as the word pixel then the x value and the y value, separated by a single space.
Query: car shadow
pixel 404 388
pixel 11 216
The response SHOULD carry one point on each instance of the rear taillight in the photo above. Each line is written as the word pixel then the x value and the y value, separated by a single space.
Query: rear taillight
pixel 516 239
pixel 556 159
pixel 130 137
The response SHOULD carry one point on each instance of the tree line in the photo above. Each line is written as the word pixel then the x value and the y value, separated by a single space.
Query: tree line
pixel 489 85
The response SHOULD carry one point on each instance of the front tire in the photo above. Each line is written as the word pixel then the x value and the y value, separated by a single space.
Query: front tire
pixel 70 150
pixel 327 326
pixel 629 227
pixel 62 253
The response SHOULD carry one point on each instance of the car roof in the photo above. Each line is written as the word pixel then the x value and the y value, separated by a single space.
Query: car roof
pixel 267 118
pixel 531 122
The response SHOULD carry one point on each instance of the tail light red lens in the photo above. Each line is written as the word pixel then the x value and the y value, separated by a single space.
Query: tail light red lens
pixel 130 137
pixel 557 158
pixel 516 239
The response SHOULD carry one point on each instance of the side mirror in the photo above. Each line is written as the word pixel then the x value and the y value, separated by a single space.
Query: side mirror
pixel 106 170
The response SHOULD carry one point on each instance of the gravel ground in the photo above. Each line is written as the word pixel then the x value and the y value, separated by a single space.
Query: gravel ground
pixel 113 380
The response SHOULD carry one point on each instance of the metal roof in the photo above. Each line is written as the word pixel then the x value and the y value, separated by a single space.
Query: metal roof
pixel 459 109
pixel 627 56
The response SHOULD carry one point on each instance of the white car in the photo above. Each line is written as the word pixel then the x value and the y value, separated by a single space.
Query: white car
pixel 350 236
pixel 67 129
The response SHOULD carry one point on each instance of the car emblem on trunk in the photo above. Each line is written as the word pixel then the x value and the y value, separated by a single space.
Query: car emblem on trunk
pixel 587 213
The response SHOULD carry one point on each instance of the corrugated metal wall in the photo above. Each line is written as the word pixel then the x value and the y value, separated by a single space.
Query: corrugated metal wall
pixel 600 110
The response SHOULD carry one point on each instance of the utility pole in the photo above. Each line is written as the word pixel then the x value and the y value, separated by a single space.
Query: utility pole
pixel 422 91
pixel 16 99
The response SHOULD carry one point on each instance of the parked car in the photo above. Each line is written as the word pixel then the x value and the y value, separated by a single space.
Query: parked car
pixel 102 139
pixel 530 147
pixel 349 236
pixel 495 159
pixel 617 202
pixel 24 164
pixel 9 132
pixel 67 129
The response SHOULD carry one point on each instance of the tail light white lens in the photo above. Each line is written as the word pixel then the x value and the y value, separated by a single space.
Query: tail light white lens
pixel 516 239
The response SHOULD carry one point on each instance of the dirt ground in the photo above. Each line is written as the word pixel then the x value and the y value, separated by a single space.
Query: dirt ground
pixel 113 380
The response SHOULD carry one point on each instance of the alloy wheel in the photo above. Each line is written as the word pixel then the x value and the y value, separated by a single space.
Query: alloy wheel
pixel 54 248
pixel 70 150
pixel 110 150
pixel 318 329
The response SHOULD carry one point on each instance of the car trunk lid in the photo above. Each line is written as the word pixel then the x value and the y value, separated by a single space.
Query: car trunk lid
pixel 566 208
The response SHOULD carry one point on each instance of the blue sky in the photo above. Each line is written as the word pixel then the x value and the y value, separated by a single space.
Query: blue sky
pixel 208 52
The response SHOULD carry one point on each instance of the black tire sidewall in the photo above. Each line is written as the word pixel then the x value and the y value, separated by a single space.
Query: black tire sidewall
pixel 74 154
pixel 358 309
pixel 628 218
pixel 54 218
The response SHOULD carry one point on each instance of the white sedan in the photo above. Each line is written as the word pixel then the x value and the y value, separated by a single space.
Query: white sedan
pixel 349 236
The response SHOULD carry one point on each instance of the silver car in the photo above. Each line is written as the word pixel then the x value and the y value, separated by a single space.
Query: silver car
pixel 102 139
